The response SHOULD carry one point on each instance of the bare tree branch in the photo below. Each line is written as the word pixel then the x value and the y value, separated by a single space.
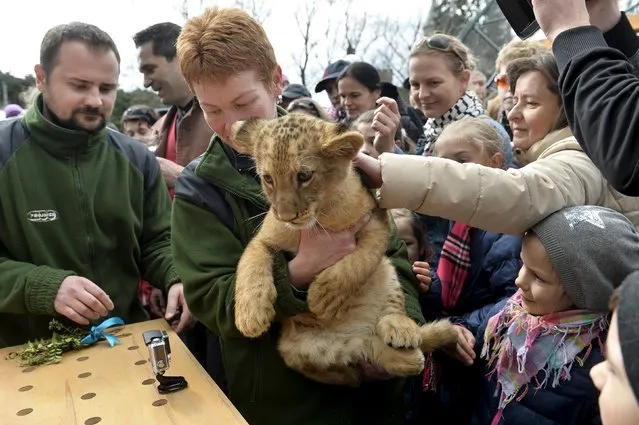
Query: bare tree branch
pixel 373 35
pixel 334 36
pixel 359 25
pixel 350 49
pixel 418 29
pixel 359 31
pixel 330 47
pixel 450 16
pixel 382 40
pixel 304 19
pixel 395 41
pixel 259 9
pixel 183 9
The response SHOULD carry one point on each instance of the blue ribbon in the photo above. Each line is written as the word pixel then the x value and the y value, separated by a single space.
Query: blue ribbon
pixel 98 332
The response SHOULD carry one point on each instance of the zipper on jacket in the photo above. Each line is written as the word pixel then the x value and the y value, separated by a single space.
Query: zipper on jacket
pixel 84 216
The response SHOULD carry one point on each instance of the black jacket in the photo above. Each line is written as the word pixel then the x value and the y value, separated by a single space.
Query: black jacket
pixel 599 83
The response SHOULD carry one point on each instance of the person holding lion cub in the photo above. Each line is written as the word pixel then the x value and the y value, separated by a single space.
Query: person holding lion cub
pixel 219 207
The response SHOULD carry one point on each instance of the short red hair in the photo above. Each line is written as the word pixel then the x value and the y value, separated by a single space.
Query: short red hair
pixel 222 42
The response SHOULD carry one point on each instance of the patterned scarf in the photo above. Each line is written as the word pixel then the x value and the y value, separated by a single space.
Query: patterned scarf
pixel 518 346
pixel 454 264
pixel 467 105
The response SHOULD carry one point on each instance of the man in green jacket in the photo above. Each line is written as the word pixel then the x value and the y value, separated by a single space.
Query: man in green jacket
pixel 85 211
pixel 230 64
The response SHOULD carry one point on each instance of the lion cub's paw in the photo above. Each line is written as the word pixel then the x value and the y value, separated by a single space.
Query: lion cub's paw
pixel 438 335
pixel 254 311
pixel 405 362
pixel 399 331
pixel 324 304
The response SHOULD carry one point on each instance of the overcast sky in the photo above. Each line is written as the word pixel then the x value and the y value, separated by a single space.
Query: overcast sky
pixel 24 23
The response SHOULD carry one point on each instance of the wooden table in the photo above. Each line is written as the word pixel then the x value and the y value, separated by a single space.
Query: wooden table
pixel 114 386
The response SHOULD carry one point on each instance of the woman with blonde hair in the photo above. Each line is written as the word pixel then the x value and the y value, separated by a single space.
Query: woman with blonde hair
pixel 440 68
pixel 439 72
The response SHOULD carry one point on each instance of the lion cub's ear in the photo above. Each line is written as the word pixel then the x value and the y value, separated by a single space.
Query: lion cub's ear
pixel 243 134
pixel 343 145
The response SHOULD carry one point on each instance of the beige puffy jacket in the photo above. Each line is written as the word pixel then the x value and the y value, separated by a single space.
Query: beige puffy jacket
pixel 502 201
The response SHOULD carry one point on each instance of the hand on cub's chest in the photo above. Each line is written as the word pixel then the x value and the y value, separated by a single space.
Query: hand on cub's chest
pixel 319 249
pixel 255 290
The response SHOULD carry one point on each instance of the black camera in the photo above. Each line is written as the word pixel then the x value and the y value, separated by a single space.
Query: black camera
pixel 520 16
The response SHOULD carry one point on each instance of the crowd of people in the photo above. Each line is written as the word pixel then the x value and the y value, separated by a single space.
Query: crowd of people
pixel 514 213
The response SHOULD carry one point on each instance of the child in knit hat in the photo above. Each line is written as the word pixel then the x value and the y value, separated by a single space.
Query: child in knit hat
pixel 618 376
pixel 543 341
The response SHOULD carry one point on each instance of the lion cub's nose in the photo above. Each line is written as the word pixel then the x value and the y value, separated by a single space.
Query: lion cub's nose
pixel 286 216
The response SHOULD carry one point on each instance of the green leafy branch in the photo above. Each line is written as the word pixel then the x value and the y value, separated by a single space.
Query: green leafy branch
pixel 48 351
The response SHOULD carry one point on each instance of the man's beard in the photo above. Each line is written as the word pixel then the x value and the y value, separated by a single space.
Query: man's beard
pixel 73 123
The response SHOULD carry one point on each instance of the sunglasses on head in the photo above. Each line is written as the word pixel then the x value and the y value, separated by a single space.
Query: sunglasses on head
pixel 441 43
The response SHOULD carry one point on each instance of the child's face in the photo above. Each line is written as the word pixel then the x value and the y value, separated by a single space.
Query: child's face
pixel 617 402
pixel 407 234
pixel 367 131
pixel 459 150
pixel 542 292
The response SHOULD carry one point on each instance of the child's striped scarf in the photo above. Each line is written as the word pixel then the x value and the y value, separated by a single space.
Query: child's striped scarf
pixel 454 264
pixel 518 346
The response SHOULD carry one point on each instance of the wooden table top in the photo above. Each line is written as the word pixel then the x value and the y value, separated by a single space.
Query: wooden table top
pixel 112 385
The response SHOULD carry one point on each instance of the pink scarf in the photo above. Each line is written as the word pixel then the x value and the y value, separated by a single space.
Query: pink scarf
pixel 519 345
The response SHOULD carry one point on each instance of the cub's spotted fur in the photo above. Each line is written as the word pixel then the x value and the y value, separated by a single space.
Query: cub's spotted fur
pixel 357 305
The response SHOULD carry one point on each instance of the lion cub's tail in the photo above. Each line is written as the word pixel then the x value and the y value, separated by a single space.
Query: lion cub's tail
pixel 437 335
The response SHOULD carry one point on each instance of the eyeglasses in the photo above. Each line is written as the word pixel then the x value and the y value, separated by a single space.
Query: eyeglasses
pixel 501 80
pixel 443 44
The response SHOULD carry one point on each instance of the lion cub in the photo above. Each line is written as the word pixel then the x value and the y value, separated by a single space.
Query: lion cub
pixel 357 305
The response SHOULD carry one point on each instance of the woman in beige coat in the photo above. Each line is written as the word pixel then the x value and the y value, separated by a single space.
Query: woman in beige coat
pixel 558 173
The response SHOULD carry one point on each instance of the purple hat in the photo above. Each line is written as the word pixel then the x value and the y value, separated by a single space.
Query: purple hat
pixel 13 110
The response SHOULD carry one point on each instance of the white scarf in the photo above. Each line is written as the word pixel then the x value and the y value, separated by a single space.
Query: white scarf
pixel 467 105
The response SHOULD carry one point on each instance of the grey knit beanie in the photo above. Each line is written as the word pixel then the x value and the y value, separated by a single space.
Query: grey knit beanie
pixel 628 324
pixel 592 250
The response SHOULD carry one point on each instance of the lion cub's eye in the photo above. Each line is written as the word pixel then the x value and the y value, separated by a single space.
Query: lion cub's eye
pixel 267 179
pixel 304 176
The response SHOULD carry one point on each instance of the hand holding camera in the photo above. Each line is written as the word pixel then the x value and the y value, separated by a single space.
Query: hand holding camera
pixel 557 16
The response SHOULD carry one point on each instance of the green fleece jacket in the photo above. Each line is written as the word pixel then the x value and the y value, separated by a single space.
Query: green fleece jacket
pixel 218 207
pixel 74 203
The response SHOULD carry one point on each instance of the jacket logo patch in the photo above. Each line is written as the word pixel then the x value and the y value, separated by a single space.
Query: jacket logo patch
pixel 42 216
